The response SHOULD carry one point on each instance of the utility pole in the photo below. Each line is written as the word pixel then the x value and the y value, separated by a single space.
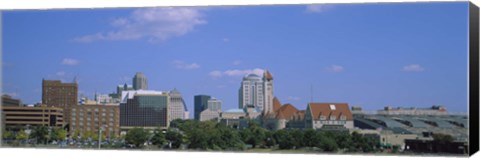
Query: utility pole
pixel 100 137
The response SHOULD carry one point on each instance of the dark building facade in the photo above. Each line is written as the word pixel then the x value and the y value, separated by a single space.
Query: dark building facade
pixel 200 103
pixel 58 94
pixel 145 110
pixel 432 146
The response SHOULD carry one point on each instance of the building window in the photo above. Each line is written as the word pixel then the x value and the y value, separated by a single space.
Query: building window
pixel 332 118
pixel 322 118
pixel 343 117
pixel 332 107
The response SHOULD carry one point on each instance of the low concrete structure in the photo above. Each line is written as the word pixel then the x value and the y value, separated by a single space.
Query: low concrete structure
pixel 18 117
pixel 209 114
pixel 434 110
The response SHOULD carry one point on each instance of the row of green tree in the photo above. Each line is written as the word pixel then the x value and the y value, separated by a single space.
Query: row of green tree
pixel 209 135
pixel 41 134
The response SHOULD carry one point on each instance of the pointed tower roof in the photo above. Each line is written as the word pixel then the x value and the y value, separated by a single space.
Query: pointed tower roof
pixel 267 75
pixel 276 104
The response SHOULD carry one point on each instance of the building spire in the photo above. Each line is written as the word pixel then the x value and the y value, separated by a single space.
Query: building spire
pixel 267 75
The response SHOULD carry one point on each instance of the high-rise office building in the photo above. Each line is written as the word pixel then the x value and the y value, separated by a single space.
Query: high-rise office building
pixel 177 107
pixel 200 103
pixel 58 94
pixel 214 104
pixel 140 81
pixel 144 108
pixel 257 92
pixel 251 92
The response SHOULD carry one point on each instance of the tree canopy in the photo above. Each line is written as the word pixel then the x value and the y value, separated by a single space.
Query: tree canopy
pixel 137 137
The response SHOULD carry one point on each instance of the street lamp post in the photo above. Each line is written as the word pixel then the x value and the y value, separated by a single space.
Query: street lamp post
pixel 49 134
pixel 100 137
pixel 28 131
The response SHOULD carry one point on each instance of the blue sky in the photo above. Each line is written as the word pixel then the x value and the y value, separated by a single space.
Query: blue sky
pixel 369 55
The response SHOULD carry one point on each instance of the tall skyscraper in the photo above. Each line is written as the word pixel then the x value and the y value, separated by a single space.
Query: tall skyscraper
pixel 201 103
pixel 214 104
pixel 140 81
pixel 256 92
pixel 177 107
pixel 146 109
pixel 62 95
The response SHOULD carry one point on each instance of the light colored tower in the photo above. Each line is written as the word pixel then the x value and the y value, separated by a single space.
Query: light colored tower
pixel 268 92
pixel 140 81
pixel 214 104
pixel 251 92
pixel 177 107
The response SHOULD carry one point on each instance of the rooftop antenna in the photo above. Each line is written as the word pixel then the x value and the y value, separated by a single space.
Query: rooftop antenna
pixel 75 79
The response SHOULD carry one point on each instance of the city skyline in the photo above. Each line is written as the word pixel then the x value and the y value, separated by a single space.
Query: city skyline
pixel 369 55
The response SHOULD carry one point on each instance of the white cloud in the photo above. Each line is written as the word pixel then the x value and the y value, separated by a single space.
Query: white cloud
pixel 182 65
pixel 413 68
pixel 215 74
pixel 152 24
pixel 60 73
pixel 316 8
pixel 225 40
pixel 68 61
pixel 293 98
pixel 335 68
pixel 236 72
pixel 237 62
